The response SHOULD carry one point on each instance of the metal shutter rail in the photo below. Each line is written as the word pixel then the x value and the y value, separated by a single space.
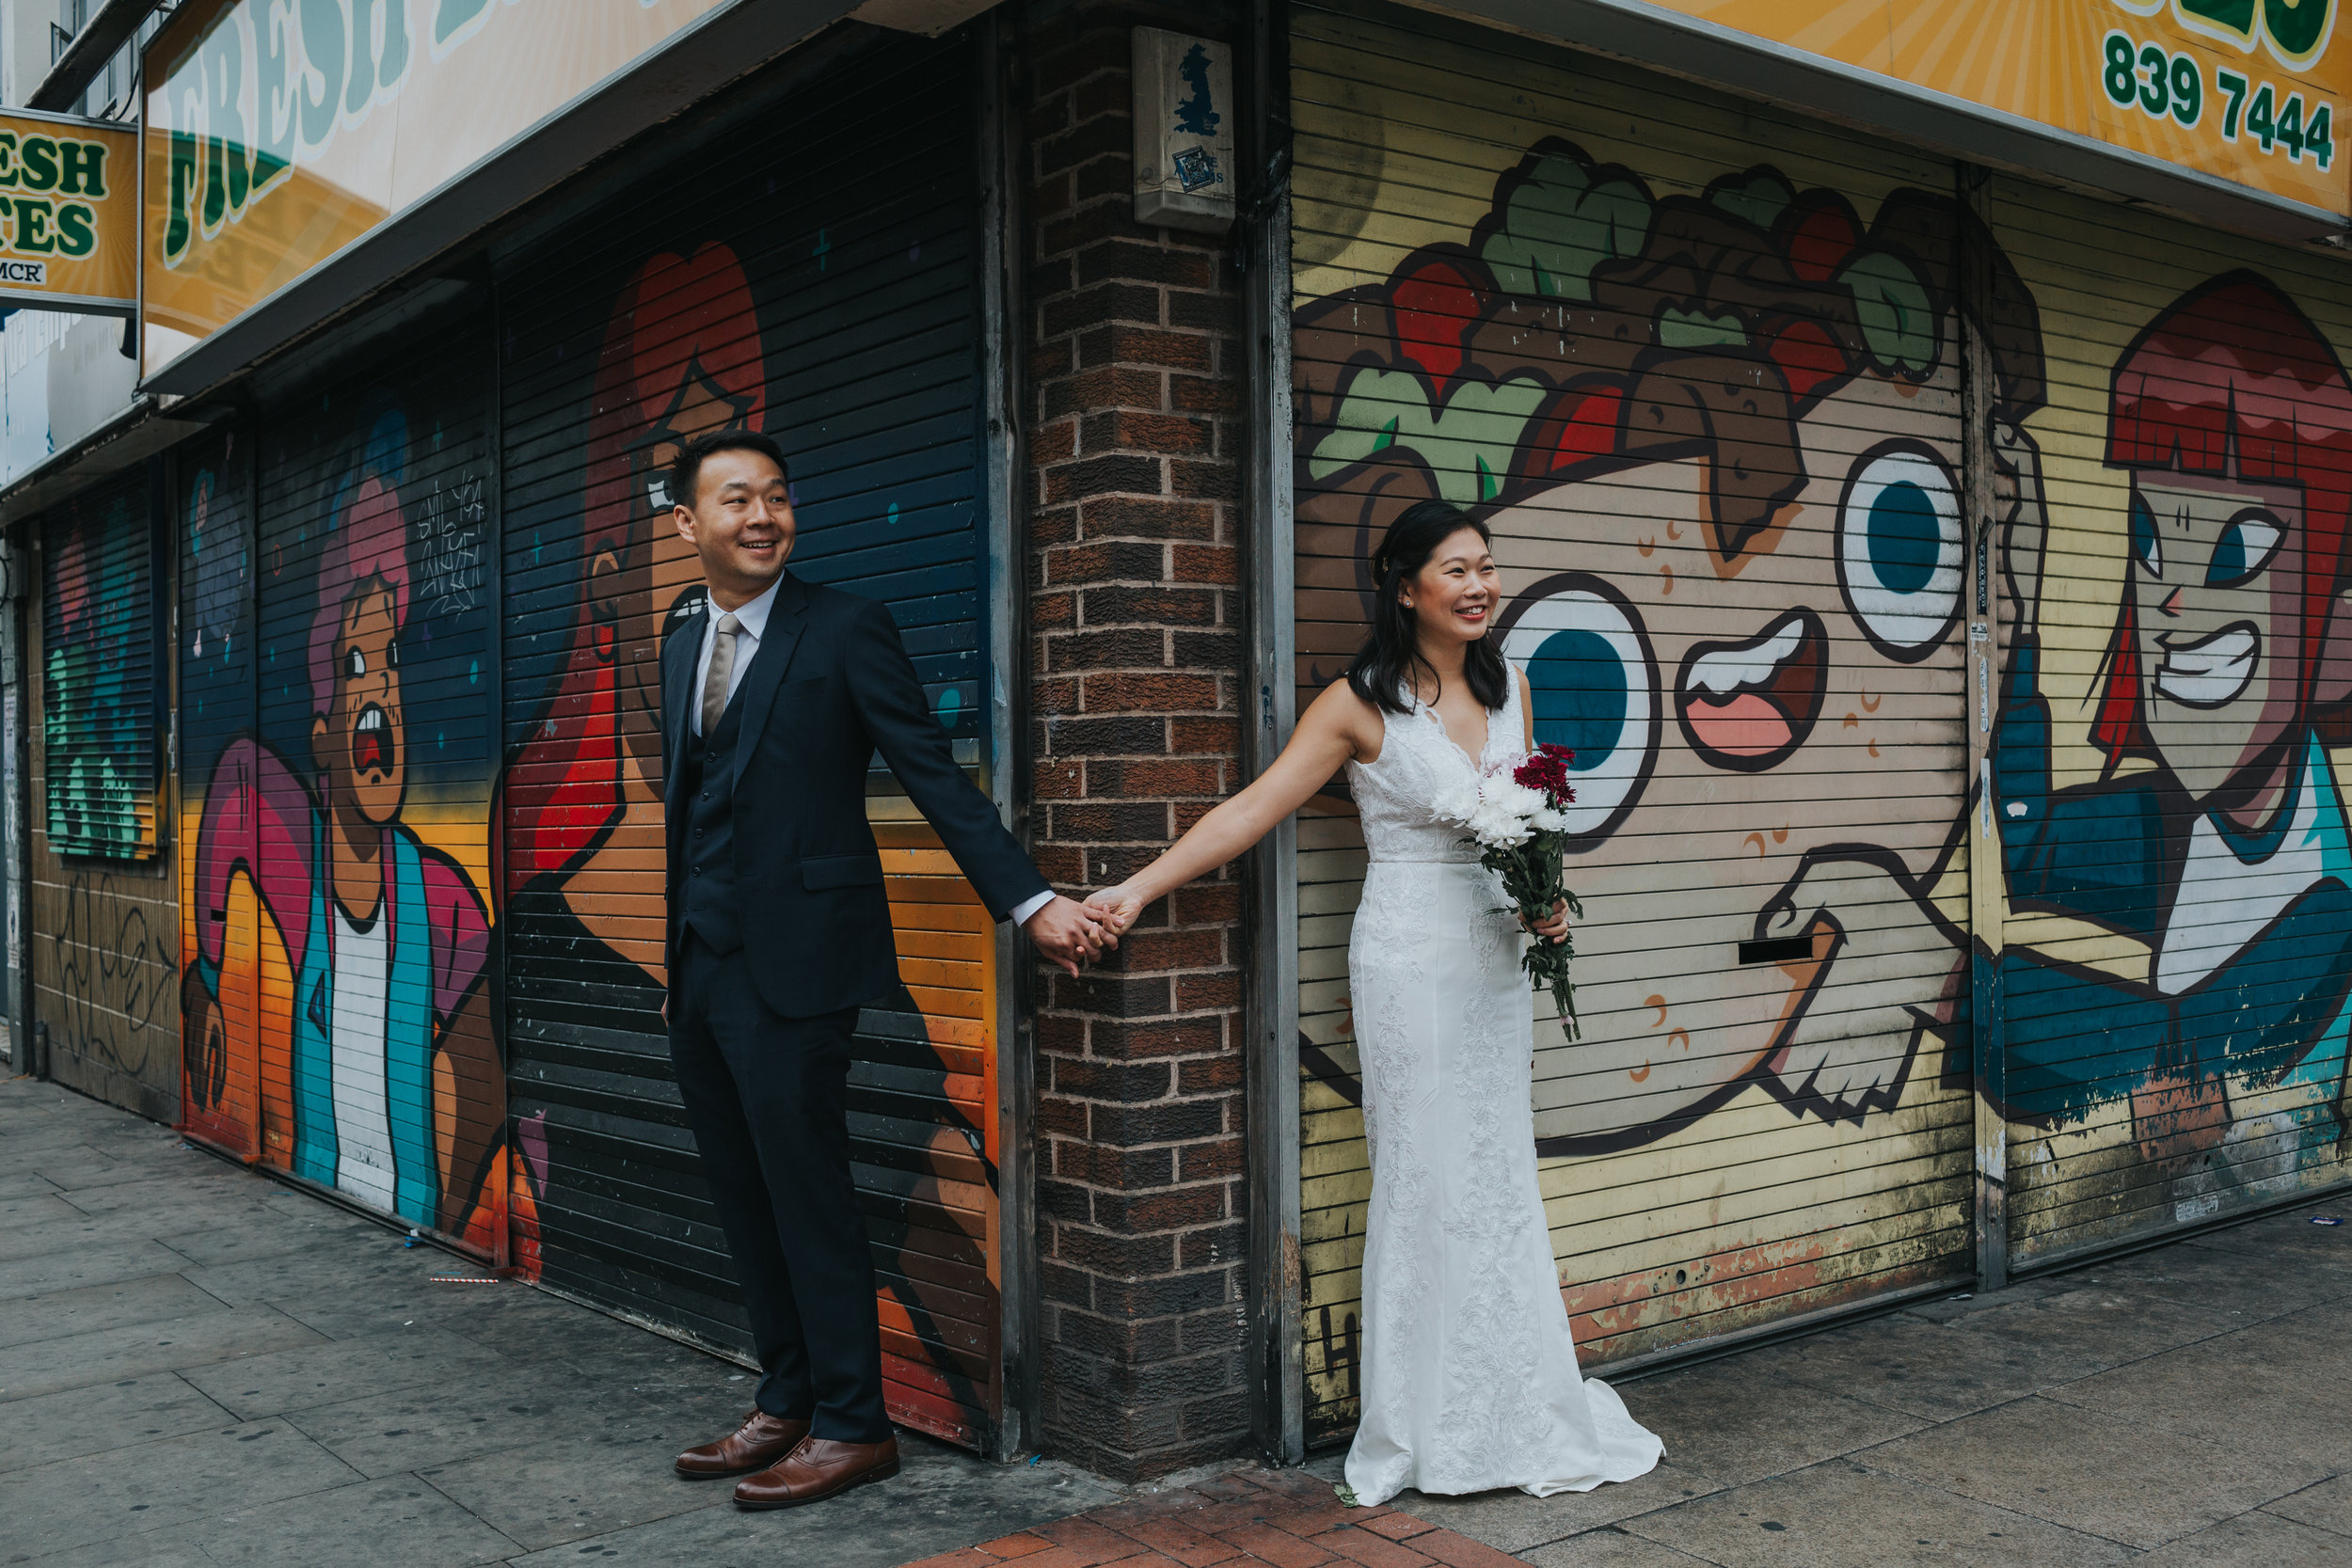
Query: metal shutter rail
pixel 837 312
pixel 2136 1103
pixel 97 688
pixel 1463 208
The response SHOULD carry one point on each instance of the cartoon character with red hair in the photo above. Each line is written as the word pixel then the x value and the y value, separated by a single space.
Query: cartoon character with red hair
pixel 397 1097
pixel 2216 836
pixel 580 802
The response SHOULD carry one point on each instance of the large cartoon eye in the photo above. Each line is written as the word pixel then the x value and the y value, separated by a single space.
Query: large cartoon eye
pixel 357 662
pixel 2243 549
pixel 1595 683
pixel 1899 548
pixel 2146 543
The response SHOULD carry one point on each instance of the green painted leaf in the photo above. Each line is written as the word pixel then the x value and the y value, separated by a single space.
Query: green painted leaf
pixel 1697 329
pixel 1467 443
pixel 1898 323
pixel 1559 226
pixel 1758 197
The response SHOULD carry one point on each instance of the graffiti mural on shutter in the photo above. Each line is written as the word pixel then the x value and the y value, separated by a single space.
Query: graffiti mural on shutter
pixel 101 940
pixel 352 817
pixel 1702 376
pixel 98 675
pixel 836 314
pixel 1700 370
pixel 221 987
pixel 2178 859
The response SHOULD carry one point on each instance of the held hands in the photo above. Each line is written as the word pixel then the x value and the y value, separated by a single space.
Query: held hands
pixel 1070 934
pixel 1554 930
pixel 1117 908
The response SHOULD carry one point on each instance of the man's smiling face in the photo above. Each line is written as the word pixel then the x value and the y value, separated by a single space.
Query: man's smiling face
pixel 359 741
pixel 2216 578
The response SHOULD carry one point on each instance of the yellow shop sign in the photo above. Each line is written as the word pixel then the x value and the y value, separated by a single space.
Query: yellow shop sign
pixel 2250 91
pixel 69 214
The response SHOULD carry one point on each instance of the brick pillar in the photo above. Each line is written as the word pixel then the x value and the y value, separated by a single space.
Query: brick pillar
pixel 1135 385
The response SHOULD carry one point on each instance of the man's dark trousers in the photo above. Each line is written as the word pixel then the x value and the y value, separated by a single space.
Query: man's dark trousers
pixel 779 928
pixel 763 1095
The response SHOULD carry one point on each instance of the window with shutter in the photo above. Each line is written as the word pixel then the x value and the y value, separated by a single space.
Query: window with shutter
pixel 99 680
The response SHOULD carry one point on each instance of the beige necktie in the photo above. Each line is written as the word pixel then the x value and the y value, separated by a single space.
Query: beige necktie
pixel 722 667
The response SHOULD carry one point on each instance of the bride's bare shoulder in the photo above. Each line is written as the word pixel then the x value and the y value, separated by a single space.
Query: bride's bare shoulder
pixel 1339 712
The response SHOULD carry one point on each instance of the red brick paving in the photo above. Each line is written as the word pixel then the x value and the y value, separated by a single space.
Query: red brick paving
pixel 1282 1518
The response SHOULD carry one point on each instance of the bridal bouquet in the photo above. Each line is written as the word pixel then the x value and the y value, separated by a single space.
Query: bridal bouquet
pixel 1518 815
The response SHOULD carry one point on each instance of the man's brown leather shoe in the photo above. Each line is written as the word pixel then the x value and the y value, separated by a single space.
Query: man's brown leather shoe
pixel 760 1442
pixel 818 1469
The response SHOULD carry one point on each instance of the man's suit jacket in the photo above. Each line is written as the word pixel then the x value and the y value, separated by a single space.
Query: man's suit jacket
pixel 829 686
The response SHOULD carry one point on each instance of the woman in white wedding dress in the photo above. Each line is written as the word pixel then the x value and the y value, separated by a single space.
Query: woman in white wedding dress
pixel 1470 1375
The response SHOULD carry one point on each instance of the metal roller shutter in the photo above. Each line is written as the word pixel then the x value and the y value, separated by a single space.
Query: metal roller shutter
pixel 2179 863
pixel 355 807
pixel 100 696
pixel 824 294
pixel 1699 365
pixel 220 954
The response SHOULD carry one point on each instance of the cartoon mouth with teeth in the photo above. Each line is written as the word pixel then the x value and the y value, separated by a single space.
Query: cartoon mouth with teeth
pixel 1747 706
pixel 2211 671
pixel 372 747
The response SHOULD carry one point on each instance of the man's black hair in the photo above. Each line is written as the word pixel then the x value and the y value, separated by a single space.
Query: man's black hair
pixel 686 468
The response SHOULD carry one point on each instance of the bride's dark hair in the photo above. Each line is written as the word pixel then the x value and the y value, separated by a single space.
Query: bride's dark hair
pixel 1392 652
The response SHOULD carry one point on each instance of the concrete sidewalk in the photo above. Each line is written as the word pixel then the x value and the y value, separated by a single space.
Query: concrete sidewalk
pixel 200 1367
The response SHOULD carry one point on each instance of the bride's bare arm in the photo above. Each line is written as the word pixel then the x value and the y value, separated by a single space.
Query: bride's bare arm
pixel 1337 725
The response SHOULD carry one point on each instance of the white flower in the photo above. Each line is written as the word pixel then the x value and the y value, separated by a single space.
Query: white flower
pixel 1546 820
pixel 1458 804
pixel 1518 799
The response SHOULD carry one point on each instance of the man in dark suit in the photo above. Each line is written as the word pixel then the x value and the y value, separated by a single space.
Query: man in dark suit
pixel 773 698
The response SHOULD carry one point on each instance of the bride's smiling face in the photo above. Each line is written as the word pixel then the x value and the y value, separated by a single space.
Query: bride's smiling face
pixel 1454 594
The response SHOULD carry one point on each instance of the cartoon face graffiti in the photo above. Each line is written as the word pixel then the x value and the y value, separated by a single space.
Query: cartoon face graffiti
pixel 2211 597
pixel 358 739
pixel 1717 439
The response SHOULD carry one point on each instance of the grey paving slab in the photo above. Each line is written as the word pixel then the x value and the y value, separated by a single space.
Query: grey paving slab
pixel 2258 1284
pixel 116 1417
pixel 16 1184
pixel 580 1486
pixel 1744 1417
pixel 2093 1473
pixel 940 1500
pixel 1610 1547
pixel 2229 1392
pixel 175 1547
pixel 176 1185
pixel 331 1372
pixel 222 1334
pixel 232 1244
pixel 395 1523
pixel 2102 1323
pixel 71 1266
pixel 445 1423
pixel 2328 1505
pixel 2257 1540
pixel 509 1317
pixel 24 1217
pixel 1841 1514
pixel 1926 1369
pixel 1514 1521
pixel 91 1308
pixel 175 1480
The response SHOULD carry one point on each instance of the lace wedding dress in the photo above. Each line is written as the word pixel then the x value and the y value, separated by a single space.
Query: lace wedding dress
pixel 1470 1376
